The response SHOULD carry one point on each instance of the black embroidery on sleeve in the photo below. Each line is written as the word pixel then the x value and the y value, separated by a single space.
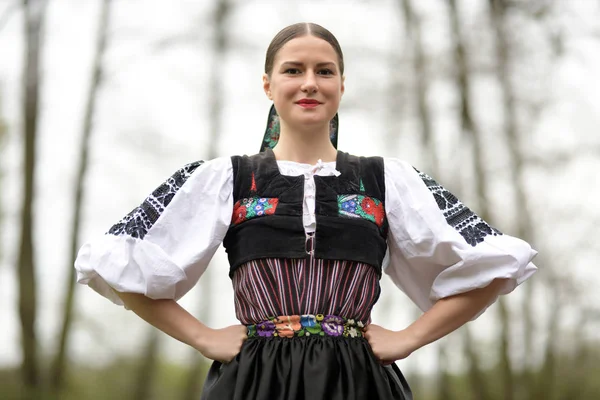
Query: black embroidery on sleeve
pixel 460 217
pixel 139 221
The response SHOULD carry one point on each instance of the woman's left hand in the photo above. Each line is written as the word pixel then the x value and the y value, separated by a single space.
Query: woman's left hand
pixel 389 346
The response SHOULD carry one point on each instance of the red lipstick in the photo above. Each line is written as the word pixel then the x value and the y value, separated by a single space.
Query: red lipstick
pixel 308 103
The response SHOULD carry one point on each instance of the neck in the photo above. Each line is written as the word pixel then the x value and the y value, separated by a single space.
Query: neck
pixel 307 146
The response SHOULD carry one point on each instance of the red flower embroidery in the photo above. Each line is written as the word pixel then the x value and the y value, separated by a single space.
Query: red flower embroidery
pixel 361 206
pixel 273 203
pixel 379 215
pixel 239 213
pixel 368 205
pixel 253 207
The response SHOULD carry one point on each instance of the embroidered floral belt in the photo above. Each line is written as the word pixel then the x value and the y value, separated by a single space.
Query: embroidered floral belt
pixel 307 325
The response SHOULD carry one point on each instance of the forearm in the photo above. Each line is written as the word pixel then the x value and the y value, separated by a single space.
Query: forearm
pixel 168 316
pixel 451 313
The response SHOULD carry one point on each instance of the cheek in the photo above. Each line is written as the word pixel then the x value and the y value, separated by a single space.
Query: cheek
pixel 335 94
pixel 334 89
pixel 283 94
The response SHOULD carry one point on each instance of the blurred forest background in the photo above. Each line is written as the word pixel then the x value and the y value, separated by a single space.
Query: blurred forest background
pixel 100 100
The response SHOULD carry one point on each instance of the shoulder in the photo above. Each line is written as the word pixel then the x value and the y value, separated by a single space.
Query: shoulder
pixel 362 162
pixel 201 168
pixel 391 166
pixel 399 165
pixel 199 175
pixel 219 163
pixel 402 172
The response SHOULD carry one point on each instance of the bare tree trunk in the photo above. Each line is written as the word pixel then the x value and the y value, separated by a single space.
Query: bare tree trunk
pixel 547 387
pixel 397 98
pixel 524 223
pixel 2 141
pixel 469 127
pixel 59 366
pixel 34 14
pixel 414 32
pixel 476 375
pixel 471 131
pixel 505 360
pixel 444 389
pixel 398 93
pixel 147 371
pixel 220 46
pixel 413 22
pixel 580 361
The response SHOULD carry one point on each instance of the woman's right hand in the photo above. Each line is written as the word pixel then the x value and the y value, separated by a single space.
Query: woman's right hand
pixel 222 344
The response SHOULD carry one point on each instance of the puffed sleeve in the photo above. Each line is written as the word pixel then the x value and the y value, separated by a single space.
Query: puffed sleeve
pixel 162 247
pixel 438 247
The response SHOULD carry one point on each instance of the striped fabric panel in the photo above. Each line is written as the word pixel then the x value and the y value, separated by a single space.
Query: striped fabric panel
pixel 271 287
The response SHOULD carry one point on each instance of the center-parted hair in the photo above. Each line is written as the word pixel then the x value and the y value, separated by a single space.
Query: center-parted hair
pixel 298 30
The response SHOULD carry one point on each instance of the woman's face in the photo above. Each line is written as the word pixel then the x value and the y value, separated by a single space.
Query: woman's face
pixel 306 84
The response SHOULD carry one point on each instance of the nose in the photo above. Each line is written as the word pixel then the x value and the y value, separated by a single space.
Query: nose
pixel 310 83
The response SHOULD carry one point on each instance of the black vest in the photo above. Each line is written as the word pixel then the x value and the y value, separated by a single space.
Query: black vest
pixel 267 218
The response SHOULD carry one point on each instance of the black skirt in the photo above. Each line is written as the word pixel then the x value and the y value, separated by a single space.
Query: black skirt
pixel 298 368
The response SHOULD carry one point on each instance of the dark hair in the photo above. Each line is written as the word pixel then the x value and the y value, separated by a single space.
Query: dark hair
pixel 298 30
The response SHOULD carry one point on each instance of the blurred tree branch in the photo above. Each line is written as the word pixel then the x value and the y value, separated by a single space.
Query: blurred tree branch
pixel 471 131
pixel 34 13
pixel 148 366
pixel 220 45
pixel 559 160
pixel 59 365
pixel 413 27
pixel 3 130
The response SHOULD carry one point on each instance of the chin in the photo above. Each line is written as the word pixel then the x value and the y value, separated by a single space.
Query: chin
pixel 312 123
pixel 312 119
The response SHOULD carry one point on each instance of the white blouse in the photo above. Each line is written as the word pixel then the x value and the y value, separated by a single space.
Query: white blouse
pixel 430 255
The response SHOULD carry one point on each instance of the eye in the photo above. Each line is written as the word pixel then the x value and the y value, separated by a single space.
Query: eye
pixel 292 71
pixel 326 71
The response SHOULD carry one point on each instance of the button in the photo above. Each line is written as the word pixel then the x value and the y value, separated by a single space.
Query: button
pixel 309 245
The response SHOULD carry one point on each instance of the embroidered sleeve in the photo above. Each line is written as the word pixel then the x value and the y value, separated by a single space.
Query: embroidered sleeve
pixel 472 228
pixel 162 247
pixel 139 221
pixel 438 247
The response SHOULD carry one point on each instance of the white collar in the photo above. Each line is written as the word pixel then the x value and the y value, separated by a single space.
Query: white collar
pixel 320 168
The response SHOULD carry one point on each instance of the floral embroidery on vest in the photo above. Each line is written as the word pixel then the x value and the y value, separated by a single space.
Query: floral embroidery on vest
pixel 361 206
pixel 253 207
pixel 253 186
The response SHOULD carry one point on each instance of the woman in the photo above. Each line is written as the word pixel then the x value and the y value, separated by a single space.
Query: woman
pixel 306 229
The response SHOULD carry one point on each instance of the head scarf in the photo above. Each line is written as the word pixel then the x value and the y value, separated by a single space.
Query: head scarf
pixel 271 136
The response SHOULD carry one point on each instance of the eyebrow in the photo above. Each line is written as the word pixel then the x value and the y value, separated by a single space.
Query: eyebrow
pixel 322 64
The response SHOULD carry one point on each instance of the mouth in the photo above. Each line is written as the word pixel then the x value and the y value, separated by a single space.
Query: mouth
pixel 308 103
